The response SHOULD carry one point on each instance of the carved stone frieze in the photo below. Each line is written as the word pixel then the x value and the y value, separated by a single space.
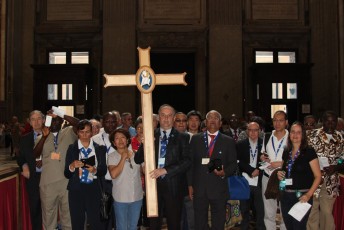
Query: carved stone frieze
pixel 68 40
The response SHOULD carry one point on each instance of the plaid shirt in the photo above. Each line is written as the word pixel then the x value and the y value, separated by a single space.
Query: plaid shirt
pixel 332 149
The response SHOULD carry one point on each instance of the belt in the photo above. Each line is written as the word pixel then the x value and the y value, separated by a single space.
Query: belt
pixel 296 190
pixel 265 174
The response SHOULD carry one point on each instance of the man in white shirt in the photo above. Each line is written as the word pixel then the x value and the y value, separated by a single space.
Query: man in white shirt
pixel 273 152
pixel 102 138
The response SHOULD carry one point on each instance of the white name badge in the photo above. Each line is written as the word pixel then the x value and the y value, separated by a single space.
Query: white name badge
pixel 205 161
pixel 161 161
pixel 289 181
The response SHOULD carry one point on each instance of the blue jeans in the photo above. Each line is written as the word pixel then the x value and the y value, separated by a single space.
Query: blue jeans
pixel 127 214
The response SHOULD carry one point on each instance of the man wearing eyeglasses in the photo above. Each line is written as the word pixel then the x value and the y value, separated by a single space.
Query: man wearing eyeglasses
pixel 272 150
pixel 249 150
pixel 180 122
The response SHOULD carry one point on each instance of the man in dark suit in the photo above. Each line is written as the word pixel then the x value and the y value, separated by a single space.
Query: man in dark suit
pixel 249 151
pixel 31 167
pixel 172 155
pixel 234 127
pixel 208 186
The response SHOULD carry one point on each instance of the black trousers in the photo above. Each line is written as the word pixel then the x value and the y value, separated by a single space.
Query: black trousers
pixel 218 212
pixel 111 223
pixel 85 201
pixel 256 197
pixel 169 206
pixel 32 188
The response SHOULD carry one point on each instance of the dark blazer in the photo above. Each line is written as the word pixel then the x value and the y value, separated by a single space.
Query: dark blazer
pixel 231 134
pixel 73 154
pixel 26 156
pixel 207 184
pixel 177 160
pixel 243 150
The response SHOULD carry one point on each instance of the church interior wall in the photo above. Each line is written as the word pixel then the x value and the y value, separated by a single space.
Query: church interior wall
pixel 222 33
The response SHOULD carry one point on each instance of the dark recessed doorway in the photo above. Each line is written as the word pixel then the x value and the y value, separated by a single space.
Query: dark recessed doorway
pixel 182 98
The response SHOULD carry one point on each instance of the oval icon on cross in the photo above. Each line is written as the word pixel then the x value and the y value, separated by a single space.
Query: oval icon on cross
pixel 145 79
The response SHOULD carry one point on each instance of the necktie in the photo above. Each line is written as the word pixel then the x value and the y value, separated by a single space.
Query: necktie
pixel 86 178
pixel 38 162
pixel 163 146
pixel 86 152
pixel 211 145
pixel 36 135
pixel 235 135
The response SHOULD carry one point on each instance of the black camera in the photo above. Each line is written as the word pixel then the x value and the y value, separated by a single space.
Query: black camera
pixel 215 164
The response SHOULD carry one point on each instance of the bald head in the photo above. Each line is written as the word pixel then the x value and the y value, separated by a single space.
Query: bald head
pixel 253 131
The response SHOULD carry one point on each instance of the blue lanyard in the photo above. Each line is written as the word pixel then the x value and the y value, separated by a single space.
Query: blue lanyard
pixel 291 161
pixel 206 142
pixel 107 148
pixel 56 141
pixel 279 146
pixel 253 155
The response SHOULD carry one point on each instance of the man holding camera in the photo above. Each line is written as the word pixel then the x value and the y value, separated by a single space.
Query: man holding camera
pixel 213 160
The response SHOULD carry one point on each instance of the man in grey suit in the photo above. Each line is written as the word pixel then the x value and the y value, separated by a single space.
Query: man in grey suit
pixel 207 185
pixel 52 149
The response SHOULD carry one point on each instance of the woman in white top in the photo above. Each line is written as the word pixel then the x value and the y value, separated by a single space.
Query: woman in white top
pixel 126 190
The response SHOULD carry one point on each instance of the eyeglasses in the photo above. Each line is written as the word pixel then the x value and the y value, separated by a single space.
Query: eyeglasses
pixel 253 130
pixel 178 120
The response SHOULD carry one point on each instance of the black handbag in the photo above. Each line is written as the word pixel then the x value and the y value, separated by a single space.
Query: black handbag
pixel 106 201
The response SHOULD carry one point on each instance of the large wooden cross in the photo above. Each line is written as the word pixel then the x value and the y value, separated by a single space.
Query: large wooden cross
pixel 145 80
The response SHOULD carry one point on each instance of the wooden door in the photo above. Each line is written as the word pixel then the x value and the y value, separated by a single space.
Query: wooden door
pixel 69 86
pixel 282 87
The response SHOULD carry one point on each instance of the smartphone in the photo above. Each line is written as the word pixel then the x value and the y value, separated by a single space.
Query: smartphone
pixel 48 121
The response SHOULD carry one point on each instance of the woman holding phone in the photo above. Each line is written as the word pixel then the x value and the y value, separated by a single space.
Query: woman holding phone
pixel 85 165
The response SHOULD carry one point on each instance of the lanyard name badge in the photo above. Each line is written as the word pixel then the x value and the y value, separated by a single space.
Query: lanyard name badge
pixel 279 146
pixel 253 154
pixel 291 161
pixel 56 155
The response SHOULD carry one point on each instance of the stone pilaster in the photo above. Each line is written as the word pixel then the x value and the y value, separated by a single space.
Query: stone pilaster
pixel 119 52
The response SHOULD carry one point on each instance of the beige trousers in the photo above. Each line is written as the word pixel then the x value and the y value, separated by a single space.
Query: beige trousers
pixel 321 213
pixel 54 201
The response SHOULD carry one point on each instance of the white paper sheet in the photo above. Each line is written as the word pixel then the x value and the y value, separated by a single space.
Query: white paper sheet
pixel 251 181
pixel 323 161
pixel 299 210
pixel 264 166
